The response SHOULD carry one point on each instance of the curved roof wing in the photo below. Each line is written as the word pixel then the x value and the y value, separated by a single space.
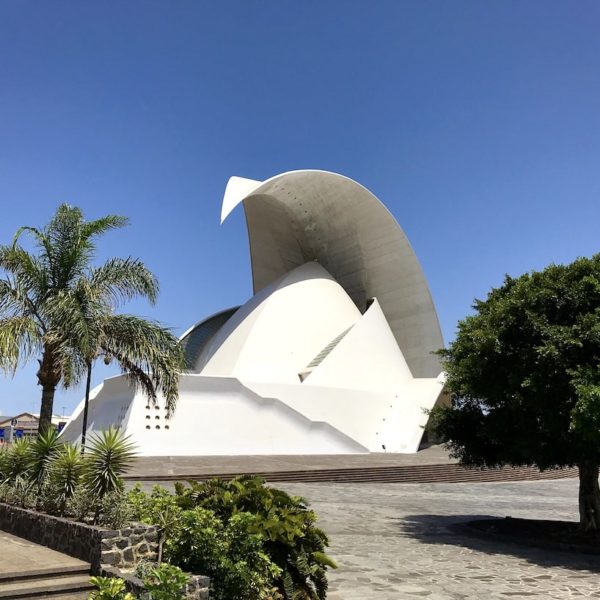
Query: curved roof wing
pixel 301 216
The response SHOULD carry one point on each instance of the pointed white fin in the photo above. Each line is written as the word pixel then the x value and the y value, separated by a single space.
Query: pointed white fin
pixel 237 189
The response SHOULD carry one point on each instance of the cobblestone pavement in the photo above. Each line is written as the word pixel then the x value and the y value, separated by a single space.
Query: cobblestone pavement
pixel 393 541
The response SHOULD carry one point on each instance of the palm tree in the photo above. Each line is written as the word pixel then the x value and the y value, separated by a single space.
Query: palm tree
pixel 55 305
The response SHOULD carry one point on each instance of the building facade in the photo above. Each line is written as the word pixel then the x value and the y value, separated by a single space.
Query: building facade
pixel 333 353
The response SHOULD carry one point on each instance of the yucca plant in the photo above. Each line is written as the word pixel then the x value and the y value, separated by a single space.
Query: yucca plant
pixel 110 454
pixel 41 453
pixel 4 462
pixel 18 460
pixel 65 475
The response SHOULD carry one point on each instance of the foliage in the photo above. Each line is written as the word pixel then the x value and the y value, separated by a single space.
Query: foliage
pixel 64 475
pixel 143 568
pixel 109 455
pixel 82 506
pixel 283 547
pixel 291 538
pixel 166 582
pixel 17 461
pixel 524 373
pixel 115 511
pixel 230 553
pixel 56 478
pixel 54 304
pixel 41 452
pixel 109 588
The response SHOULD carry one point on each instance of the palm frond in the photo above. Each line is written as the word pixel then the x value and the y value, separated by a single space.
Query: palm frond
pixel 20 338
pixel 94 228
pixel 150 348
pixel 123 279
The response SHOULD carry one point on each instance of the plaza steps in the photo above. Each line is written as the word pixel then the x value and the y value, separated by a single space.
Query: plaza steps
pixel 58 584
pixel 435 473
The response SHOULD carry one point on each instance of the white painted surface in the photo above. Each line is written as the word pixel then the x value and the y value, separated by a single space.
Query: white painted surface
pixel 321 246
pixel 280 330
pixel 302 216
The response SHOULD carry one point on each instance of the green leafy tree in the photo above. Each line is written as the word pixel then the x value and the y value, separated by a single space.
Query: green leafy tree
pixel 524 374
pixel 56 305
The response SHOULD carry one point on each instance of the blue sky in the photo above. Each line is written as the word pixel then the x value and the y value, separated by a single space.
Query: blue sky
pixel 477 123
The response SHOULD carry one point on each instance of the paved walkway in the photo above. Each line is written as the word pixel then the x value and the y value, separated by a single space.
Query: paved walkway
pixel 393 541
pixel 20 556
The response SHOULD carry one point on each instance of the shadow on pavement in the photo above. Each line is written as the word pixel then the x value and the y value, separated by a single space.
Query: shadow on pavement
pixel 451 530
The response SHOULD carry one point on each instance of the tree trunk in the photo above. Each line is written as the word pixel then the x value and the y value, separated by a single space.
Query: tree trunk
pixel 48 377
pixel 85 406
pixel 589 497
pixel 45 423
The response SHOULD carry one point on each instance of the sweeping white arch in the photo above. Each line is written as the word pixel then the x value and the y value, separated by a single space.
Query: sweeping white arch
pixel 308 215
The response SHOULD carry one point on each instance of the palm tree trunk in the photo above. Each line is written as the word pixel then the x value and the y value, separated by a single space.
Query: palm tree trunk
pixel 46 407
pixel 86 406
pixel 48 377
pixel 589 497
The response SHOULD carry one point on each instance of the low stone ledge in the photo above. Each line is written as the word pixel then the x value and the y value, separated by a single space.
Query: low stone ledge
pixel 122 548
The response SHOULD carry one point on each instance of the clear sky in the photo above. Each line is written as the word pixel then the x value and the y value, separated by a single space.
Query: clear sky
pixel 477 123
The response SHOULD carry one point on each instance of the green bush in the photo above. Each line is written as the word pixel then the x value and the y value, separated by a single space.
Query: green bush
pixel 42 452
pixel 249 538
pixel 108 456
pixel 109 588
pixel 115 511
pixel 291 538
pixel 166 582
pixel 231 554
pixel 64 477
pixel 54 477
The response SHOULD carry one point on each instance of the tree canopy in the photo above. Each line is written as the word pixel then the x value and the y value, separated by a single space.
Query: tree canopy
pixel 57 305
pixel 524 375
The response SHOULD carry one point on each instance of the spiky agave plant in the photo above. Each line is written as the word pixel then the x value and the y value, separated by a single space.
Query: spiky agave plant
pixel 65 475
pixel 41 453
pixel 18 473
pixel 110 454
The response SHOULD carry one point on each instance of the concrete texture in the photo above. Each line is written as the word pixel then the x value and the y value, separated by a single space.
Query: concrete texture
pixel 301 216
pixel 21 556
pixel 191 465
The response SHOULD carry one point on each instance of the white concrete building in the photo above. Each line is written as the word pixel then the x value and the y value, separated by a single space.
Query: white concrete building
pixel 332 353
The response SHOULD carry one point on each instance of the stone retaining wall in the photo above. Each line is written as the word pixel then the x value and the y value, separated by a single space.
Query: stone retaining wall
pixel 122 548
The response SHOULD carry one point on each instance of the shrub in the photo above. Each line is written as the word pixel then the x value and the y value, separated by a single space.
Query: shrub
pixel 64 476
pixel 115 511
pixel 109 588
pixel 81 506
pixel 42 451
pixel 109 455
pixel 166 582
pixel 231 554
pixel 291 538
pixel 18 460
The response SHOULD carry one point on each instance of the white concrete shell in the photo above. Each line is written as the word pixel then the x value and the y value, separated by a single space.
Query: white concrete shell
pixel 332 353
pixel 304 216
